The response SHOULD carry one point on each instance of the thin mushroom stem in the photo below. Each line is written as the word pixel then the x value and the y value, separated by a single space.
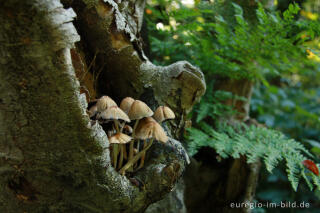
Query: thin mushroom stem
pixel 115 155
pixel 121 156
pixel 143 156
pixel 125 154
pixel 111 154
pixel 122 126
pixel 134 159
pixel 132 141
pixel 138 148
pixel 116 124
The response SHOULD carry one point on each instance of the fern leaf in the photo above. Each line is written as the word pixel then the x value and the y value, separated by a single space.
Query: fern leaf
pixel 293 170
pixel 307 180
pixel 316 180
pixel 254 143
pixel 271 159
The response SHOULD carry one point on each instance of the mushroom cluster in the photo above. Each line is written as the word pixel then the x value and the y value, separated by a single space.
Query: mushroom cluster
pixel 125 135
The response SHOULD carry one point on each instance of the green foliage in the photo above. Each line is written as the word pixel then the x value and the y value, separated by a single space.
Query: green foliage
pixel 211 104
pixel 223 42
pixel 255 143
pixel 291 107
pixel 295 110
pixel 235 49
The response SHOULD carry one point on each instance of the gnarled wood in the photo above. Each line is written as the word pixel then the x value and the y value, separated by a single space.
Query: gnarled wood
pixel 52 158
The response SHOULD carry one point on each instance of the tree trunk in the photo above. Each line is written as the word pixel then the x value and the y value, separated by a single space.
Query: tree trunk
pixel 52 157
pixel 219 183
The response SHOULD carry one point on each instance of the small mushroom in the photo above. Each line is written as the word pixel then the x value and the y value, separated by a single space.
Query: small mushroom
pixel 105 102
pixel 148 128
pixel 126 103
pixel 163 113
pixel 118 139
pixel 126 129
pixel 137 111
pixel 114 113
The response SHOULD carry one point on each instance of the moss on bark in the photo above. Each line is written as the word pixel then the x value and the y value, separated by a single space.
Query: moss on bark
pixel 52 158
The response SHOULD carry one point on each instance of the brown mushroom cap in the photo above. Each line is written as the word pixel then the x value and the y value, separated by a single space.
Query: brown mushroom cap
pixel 126 104
pixel 105 102
pixel 149 119
pixel 114 113
pixel 163 113
pixel 139 110
pixel 159 134
pixel 120 138
pixel 149 128
pixel 144 130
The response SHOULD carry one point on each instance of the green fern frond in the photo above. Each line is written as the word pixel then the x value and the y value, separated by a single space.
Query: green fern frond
pixel 293 169
pixel 255 143
pixel 197 139
pixel 207 129
pixel 257 152
pixel 316 180
pixel 241 146
pixel 307 179
pixel 271 158
pixel 222 144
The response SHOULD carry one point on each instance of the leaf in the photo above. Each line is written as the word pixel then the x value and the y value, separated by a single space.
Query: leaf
pixel 309 164
pixel 255 142
pixel 307 180
pixel 203 111
pixel 237 8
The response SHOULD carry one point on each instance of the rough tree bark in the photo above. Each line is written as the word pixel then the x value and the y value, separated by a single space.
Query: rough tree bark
pixel 52 158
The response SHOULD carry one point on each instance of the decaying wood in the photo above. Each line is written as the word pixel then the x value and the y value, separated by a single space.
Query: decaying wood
pixel 52 158
pixel 125 70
